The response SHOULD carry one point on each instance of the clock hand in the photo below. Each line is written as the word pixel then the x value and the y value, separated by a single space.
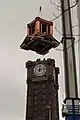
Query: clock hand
pixel 39 68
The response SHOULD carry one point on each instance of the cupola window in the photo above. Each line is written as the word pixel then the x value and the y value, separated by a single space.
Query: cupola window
pixel 44 28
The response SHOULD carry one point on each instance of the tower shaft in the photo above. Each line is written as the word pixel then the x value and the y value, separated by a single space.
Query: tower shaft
pixel 42 91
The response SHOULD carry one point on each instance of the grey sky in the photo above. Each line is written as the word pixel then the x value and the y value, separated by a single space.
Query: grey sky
pixel 14 15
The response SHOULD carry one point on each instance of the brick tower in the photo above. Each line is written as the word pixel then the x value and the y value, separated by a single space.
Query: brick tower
pixel 42 90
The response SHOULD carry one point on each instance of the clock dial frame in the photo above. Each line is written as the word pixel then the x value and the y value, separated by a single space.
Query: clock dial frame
pixel 39 70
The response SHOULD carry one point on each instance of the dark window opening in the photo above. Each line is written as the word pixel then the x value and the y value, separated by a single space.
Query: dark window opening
pixel 44 28
pixel 29 30
pixel 33 29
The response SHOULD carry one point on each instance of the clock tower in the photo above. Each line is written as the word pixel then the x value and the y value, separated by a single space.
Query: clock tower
pixel 42 90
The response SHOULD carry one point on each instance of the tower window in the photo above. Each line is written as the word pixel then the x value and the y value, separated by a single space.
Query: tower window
pixel 44 96
pixel 33 28
pixel 43 85
pixel 29 30
pixel 44 28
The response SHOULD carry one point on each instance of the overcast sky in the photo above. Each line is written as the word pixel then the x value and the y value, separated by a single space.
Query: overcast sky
pixel 14 16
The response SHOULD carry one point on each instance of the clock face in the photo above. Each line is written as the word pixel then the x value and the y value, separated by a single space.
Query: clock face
pixel 39 70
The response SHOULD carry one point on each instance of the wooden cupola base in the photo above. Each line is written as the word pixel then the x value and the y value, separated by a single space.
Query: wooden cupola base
pixel 41 43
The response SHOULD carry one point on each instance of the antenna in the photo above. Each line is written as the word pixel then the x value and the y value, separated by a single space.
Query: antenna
pixel 40 11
